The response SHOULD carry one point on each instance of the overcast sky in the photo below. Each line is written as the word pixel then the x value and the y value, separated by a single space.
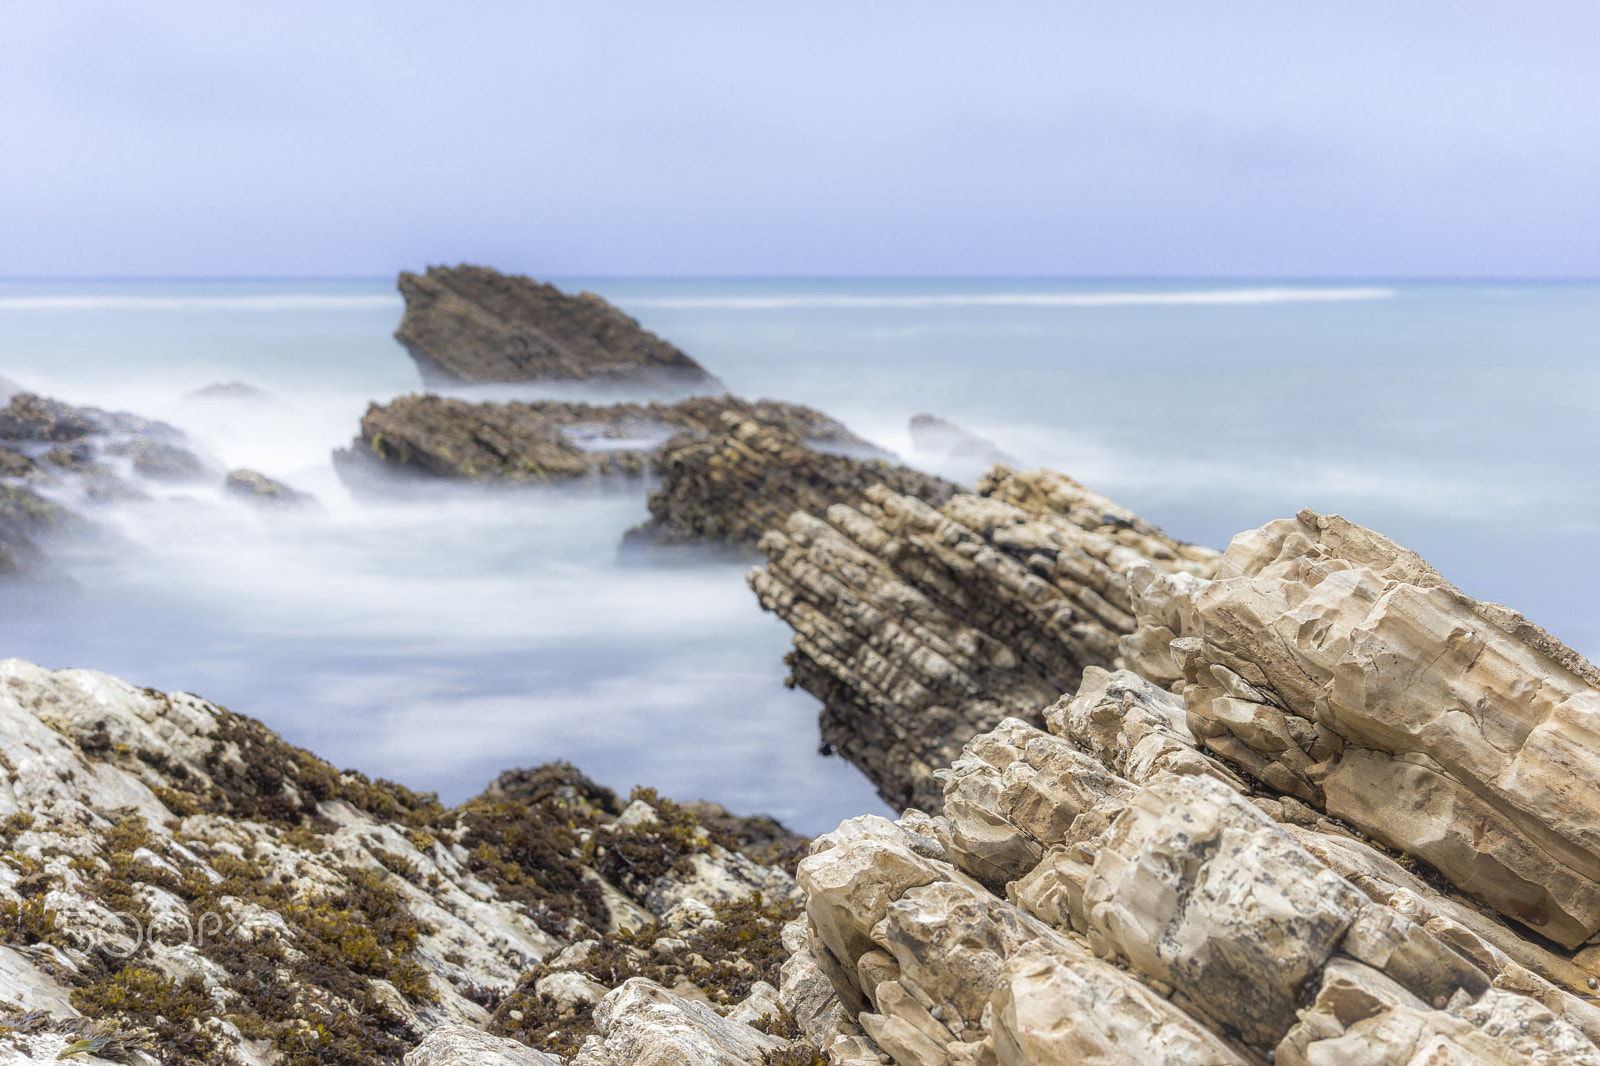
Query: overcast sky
pixel 1214 138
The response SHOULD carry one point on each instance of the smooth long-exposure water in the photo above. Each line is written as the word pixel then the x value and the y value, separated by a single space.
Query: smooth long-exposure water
pixel 439 638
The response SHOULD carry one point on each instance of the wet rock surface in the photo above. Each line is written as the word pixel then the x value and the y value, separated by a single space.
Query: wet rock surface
pixel 918 626
pixel 552 440
pixel 474 324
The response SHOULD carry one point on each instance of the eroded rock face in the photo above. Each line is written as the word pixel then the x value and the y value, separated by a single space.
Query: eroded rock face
pixel 918 627
pixel 1172 917
pixel 474 324
pixel 1340 669
pixel 178 882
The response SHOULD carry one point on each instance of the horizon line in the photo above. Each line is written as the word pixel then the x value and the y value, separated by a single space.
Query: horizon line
pixel 1208 278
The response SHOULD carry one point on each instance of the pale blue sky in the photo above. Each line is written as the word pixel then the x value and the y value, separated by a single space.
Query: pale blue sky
pixel 1224 138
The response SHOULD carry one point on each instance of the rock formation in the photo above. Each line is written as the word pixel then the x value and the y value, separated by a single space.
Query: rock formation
pixel 731 487
pixel 551 440
pixel 179 884
pixel 474 324
pixel 918 627
pixel 1341 669
pixel 1144 871
pixel 1062 913
pixel 1255 849
pixel 260 489
pixel 50 451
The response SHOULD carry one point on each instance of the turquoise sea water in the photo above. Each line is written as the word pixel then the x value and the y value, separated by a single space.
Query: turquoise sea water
pixel 440 639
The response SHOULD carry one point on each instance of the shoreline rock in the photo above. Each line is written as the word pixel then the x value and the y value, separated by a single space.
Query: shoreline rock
pixel 1122 878
pixel 280 903
pixel 468 324
pixel 918 627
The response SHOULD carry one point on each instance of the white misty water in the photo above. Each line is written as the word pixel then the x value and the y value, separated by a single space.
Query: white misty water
pixel 440 636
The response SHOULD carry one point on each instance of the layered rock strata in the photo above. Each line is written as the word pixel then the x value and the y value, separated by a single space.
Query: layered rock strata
pixel 1339 668
pixel 730 487
pixel 474 324
pixel 178 884
pixel 919 626
pixel 553 440
pixel 1062 912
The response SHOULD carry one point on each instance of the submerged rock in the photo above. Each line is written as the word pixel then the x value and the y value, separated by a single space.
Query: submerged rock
pixel 50 450
pixel 229 390
pixel 260 489
pixel 917 627
pixel 940 439
pixel 552 440
pixel 474 324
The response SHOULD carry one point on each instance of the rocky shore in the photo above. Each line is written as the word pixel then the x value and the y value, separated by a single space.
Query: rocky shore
pixel 1301 803
pixel 180 885
pixel 471 324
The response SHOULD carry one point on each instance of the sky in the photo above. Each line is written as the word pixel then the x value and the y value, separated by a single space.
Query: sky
pixel 1358 138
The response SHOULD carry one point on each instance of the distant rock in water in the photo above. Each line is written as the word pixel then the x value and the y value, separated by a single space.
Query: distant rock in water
pixel 552 440
pixel 936 438
pixel 921 623
pixel 730 487
pixel 260 489
pixel 49 449
pixel 229 390
pixel 471 324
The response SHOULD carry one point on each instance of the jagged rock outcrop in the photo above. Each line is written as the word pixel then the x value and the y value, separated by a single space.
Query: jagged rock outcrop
pixel 178 883
pixel 1341 669
pixel 552 440
pixel 474 324
pixel 1061 912
pixel 918 627
pixel 732 486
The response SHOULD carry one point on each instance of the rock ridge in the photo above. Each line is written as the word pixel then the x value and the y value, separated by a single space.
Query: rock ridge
pixel 919 626
pixel 472 324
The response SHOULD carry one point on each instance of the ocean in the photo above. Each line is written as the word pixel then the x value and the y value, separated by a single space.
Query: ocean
pixel 439 637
